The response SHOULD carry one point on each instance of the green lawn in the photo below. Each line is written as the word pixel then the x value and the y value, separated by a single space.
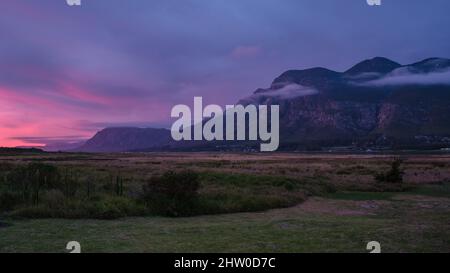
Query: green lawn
pixel 402 225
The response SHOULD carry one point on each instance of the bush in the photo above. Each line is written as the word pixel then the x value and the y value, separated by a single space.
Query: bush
pixel 29 180
pixel 172 194
pixel 33 212
pixel 110 207
pixel 5 166
pixel 105 207
pixel 9 200
pixel 394 175
pixel 53 199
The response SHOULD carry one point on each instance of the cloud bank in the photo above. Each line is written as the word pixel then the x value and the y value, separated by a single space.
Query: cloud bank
pixel 406 78
pixel 289 91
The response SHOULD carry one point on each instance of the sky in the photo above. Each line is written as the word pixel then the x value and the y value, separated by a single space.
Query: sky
pixel 67 72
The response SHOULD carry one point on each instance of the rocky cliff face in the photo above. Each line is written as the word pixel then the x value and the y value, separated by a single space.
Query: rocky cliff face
pixel 376 99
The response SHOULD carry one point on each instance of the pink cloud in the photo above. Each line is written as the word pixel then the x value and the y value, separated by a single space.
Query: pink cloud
pixel 83 95
pixel 241 52
pixel 49 114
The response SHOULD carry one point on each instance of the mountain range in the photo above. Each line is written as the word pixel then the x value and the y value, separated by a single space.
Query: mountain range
pixel 376 104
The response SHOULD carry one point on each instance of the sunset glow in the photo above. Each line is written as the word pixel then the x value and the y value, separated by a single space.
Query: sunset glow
pixel 67 72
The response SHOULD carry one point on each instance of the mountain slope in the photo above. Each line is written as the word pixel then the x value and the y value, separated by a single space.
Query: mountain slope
pixel 126 139
pixel 375 65
pixel 376 103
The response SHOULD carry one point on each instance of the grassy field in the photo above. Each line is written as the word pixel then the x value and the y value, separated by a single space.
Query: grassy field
pixel 343 206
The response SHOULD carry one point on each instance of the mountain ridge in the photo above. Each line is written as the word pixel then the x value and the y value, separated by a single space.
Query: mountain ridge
pixel 121 139
pixel 375 103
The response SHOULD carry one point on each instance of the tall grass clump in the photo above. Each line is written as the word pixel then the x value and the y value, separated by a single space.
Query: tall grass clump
pixel 172 194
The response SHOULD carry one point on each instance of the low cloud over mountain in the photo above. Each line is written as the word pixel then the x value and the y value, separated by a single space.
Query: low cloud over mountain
pixel 428 72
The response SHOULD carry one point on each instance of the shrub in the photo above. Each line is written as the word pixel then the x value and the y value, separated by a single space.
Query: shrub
pixel 33 212
pixel 69 183
pixel 110 207
pixel 53 199
pixel 172 194
pixel 5 166
pixel 106 207
pixel 9 200
pixel 30 179
pixel 394 175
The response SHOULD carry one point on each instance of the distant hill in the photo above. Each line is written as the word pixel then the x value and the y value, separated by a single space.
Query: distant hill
pixel 57 146
pixel 377 103
pixel 122 139
pixel 4 150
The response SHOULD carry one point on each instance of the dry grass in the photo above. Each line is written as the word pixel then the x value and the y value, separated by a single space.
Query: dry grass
pixel 352 172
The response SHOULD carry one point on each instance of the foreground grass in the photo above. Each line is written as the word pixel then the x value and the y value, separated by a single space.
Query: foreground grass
pixel 403 225
pixel 199 234
pixel 349 212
